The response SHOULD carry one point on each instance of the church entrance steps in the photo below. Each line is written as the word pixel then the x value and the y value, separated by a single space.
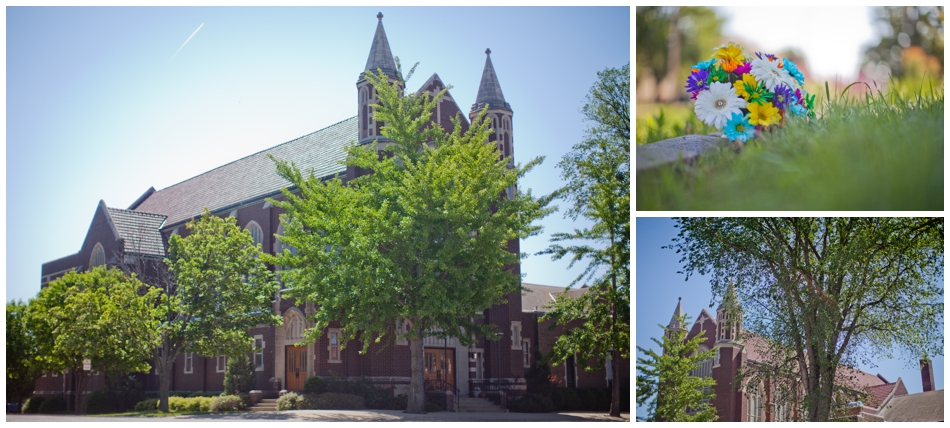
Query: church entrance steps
pixel 266 405
pixel 478 405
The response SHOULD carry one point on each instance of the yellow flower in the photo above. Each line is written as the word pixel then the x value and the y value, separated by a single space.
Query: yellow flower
pixel 748 81
pixel 730 56
pixel 763 114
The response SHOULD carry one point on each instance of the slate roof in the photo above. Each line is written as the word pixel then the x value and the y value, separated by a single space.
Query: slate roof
pixel 489 90
pixel 920 407
pixel 538 297
pixel 253 177
pixel 139 231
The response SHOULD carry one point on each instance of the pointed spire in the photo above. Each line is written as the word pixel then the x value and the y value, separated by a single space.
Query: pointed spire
pixel 730 297
pixel 489 90
pixel 677 313
pixel 380 56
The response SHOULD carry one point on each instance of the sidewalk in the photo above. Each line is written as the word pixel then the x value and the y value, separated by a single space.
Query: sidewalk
pixel 340 416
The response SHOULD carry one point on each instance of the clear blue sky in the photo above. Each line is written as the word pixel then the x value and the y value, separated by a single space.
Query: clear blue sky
pixel 100 105
pixel 658 285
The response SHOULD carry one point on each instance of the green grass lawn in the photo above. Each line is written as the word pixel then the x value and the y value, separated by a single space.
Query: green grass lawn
pixel 882 152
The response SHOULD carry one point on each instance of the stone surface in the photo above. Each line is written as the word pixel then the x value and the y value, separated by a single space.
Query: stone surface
pixel 668 151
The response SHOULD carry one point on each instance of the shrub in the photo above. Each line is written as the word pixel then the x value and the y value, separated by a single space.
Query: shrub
pixel 55 404
pixel 557 398
pixel 102 401
pixel 587 399
pixel 288 401
pixel 190 404
pixel 146 405
pixel 33 404
pixel 531 403
pixel 571 400
pixel 384 400
pixel 432 407
pixel 226 403
pixel 239 376
pixel 314 385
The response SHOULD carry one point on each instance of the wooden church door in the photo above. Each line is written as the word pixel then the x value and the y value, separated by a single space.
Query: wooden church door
pixel 296 367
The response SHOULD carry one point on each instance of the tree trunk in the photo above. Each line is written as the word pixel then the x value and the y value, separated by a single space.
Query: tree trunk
pixel 80 377
pixel 164 382
pixel 670 88
pixel 417 395
pixel 615 399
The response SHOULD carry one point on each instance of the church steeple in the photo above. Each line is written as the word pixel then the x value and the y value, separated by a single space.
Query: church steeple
pixel 489 90
pixel 380 58
pixel 498 114
pixel 729 316
pixel 380 55
pixel 675 323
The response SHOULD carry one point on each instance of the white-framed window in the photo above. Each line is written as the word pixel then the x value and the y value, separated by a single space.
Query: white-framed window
pixel 609 365
pixel 516 335
pixel 256 232
pixel 334 348
pixel 221 364
pixel 718 355
pixel 259 353
pixel 526 352
pixel 402 326
pixel 98 257
pixel 189 362
pixel 753 402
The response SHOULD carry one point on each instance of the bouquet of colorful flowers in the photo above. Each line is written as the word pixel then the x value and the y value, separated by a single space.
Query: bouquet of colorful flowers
pixel 739 94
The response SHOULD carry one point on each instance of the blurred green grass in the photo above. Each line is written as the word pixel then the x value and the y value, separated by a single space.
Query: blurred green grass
pixel 877 152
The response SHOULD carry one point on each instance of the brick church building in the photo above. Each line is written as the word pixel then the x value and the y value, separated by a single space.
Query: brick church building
pixel 239 189
pixel 875 398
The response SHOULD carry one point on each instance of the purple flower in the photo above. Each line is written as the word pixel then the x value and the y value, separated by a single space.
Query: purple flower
pixel 782 97
pixel 694 95
pixel 697 81
pixel 769 56
pixel 798 96
pixel 743 69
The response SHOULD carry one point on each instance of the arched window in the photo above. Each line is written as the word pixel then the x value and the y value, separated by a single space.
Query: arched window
pixel 98 257
pixel 256 232
pixel 295 325
pixel 704 368
pixel 753 394
pixel 279 246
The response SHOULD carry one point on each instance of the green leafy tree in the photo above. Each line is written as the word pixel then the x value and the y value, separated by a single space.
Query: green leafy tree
pixel 221 287
pixel 832 292
pixel 597 172
pixel 23 367
pixel 422 239
pixel 664 381
pixel 101 315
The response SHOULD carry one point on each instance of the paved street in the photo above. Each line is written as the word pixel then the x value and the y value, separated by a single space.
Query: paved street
pixel 339 416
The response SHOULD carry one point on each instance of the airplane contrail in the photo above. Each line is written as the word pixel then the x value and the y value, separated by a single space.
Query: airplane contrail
pixel 189 39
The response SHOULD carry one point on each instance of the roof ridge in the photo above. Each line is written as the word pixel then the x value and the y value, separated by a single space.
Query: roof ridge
pixel 135 212
pixel 257 153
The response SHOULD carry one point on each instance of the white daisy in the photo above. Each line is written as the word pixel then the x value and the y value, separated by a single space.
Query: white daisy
pixel 716 105
pixel 767 71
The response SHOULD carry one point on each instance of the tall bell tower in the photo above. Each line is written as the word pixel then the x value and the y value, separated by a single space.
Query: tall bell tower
pixel 380 58
pixel 498 114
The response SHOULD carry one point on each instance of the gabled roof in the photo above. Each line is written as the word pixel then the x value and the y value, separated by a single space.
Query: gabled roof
pixel 139 231
pixel 539 297
pixel 878 394
pixel 920 407
pixel 253 177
